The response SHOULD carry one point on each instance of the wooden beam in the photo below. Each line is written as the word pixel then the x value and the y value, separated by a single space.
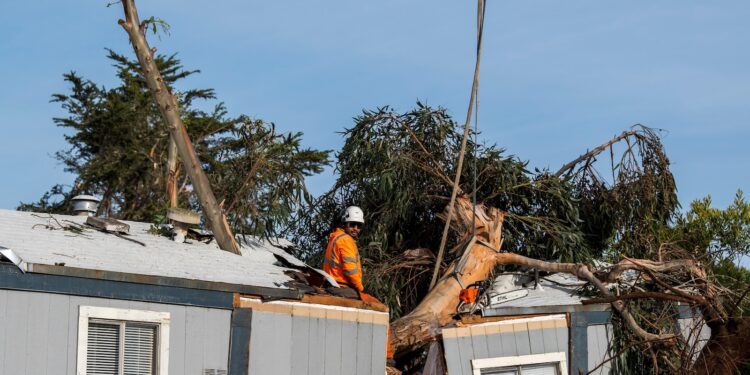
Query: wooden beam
pixel 319 299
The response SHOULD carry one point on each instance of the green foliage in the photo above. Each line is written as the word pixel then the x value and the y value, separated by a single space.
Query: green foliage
pixel 398 168
pixel 719 239
pixel 261 174
pixel 625 214
pixel 715 237
pixel 713 234
pixel 118 151
pixel 155 25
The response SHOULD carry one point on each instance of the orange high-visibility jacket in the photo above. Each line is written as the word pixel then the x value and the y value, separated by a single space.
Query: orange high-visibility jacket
pixel 342 260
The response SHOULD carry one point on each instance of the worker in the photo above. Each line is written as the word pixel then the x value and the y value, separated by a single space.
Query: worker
pixel 343 263
pixel 342 259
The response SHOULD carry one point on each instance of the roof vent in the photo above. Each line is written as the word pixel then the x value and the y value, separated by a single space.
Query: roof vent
pixel 181 218
pixel 85 205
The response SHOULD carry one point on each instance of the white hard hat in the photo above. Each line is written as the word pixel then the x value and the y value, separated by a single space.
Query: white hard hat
pixel 353 214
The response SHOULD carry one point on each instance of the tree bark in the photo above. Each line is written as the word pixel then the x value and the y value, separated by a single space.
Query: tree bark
pixel 172 173
pixel 423 324
pixel 726 349
pixel 168 107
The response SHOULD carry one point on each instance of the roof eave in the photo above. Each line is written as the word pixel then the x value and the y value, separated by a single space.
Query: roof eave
pixel 263 292
pixel 532 310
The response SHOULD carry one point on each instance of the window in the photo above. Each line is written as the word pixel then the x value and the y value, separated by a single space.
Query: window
pixel 122 342
pixel 537 364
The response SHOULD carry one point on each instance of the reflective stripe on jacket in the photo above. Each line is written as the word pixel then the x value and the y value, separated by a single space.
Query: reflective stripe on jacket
pixel 342 260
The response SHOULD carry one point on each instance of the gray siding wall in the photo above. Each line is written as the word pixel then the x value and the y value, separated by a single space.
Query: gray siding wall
pixel 39 333
pixel 464 344
pixel 695 331
pixel 589 341
pixel 598 338
pixel 291 343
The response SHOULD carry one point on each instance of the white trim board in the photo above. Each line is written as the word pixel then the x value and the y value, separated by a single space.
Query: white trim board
pixel 345 313
pixel 559 357
pixel 86 313
pixel 311 305
pixel 522 320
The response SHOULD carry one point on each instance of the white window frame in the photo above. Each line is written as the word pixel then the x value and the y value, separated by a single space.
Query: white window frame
pixel 560 358
pixel 161 319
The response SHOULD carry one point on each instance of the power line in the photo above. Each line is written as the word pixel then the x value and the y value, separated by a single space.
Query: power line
pixel 474 89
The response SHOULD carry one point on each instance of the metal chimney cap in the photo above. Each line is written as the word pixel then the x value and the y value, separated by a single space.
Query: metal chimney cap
pixel 85 197
pixel 84 205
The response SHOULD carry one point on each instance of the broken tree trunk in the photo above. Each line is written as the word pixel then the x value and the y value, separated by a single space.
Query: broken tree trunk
pixel 423 324
pixel 169 109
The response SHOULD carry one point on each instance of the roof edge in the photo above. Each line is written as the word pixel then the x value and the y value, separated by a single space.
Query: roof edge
pixel 264 292
pixel 558 309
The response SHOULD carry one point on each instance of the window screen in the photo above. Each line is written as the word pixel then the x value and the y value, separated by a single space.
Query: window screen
pixel 121 348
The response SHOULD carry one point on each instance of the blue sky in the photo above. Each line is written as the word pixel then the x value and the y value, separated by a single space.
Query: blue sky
pixel 557 77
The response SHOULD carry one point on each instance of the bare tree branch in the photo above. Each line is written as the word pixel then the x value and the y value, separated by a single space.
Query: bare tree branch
pixel 594 152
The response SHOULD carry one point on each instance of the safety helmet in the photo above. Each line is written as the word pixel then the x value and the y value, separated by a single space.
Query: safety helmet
pixel 353 214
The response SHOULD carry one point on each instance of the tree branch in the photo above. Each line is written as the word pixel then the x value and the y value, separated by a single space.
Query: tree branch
pixel 582 272
pixel 594 152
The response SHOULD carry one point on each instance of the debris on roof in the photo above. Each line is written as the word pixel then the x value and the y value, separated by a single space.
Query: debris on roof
pixel 10 256
pixel 108 224
pixel 544 293
pixel 69 242
pixel 519 293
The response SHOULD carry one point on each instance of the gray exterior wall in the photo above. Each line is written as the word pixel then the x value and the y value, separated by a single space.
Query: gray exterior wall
pixel 503 339
pixel 693 329
pixel 598 337
pixel 304 339
pixel 590 332
pixel 39 333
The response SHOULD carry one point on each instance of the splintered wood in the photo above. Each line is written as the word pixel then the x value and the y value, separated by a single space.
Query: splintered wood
pixel 108 224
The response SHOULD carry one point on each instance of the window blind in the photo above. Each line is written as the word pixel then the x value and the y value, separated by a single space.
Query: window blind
pixel 103 355
pixel 139 349
pixel 121 348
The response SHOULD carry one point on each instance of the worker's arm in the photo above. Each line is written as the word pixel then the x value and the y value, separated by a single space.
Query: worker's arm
pixel 350 259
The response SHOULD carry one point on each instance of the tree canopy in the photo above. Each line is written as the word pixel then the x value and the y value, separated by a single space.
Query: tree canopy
pixel 617 201
pixel 396 167
pixel 118 151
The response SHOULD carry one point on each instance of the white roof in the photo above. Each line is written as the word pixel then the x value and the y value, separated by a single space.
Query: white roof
pixel 545 294
pixel 28 236
pixel 554 293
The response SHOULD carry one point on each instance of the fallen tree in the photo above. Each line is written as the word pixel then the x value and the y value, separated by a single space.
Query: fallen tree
pixel 396 167
pixel 721 355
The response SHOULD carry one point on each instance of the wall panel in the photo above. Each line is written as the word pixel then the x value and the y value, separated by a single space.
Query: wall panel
pixel 502 339
pixel 298 338
pixel 43 331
